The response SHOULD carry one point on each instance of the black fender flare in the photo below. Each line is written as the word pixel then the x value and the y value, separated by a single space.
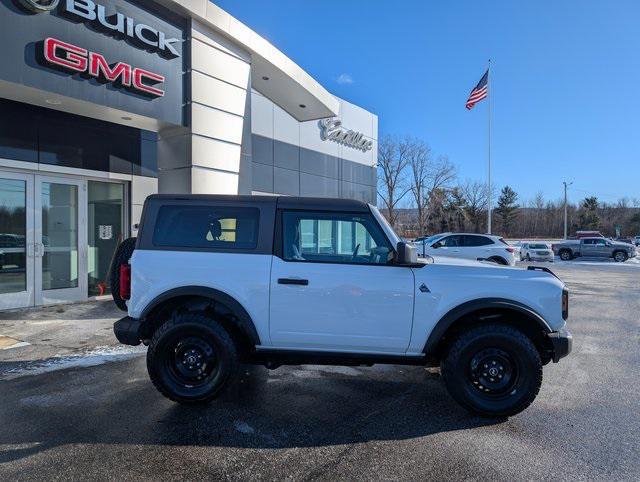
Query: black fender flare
pixel 459 311
pixel 244 321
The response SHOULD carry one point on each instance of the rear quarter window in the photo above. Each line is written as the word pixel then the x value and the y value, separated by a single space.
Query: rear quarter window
pixel 188 226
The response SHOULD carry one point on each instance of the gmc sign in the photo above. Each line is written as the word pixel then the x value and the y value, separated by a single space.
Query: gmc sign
pixel 74 59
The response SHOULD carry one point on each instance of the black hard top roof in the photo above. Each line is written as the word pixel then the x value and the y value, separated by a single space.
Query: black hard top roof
pixel 283 202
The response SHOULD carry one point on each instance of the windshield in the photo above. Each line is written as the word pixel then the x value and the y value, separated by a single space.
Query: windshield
pixel 538 246
pixel 433 238
pixel 391 234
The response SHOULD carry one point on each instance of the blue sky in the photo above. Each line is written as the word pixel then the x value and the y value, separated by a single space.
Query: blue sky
pixel 565 81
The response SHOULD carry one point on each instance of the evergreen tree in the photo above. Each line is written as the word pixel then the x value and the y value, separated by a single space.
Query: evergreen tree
pixel 588 216
pixel 507 209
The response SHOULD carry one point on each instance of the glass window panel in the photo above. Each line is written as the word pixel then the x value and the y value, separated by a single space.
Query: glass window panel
pixel 18 135
pixel 105 231
pixel 337 235
pixel 59 236
pixel 13 223
pixel 206 227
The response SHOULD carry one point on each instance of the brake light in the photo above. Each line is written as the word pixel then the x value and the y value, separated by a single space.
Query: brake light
pixel 510 249
pixel 125 281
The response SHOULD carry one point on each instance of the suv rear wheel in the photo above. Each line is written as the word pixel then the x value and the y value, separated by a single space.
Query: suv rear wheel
pixel 191 359
pixel 493 370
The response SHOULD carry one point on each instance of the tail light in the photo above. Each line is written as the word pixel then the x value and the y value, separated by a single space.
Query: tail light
pixel 125 281
pixel 510 249
pixel 565 304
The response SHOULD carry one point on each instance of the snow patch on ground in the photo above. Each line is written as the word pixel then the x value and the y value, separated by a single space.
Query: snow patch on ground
pixel 96 356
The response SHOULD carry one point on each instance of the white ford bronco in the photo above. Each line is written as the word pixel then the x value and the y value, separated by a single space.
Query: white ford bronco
pixel 214 281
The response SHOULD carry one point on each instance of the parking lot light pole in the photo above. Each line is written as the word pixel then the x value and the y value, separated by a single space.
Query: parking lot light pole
pixel 566 184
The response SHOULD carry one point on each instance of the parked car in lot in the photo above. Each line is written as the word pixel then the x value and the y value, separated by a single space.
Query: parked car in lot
pixel 594 247
pixel 214 281
pixel 468 246
pixel 536 252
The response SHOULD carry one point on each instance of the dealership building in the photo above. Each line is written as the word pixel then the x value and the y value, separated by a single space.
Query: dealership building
pixel 104 102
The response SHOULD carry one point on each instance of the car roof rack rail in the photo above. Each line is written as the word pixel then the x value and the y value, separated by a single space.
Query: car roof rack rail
pixel 542 268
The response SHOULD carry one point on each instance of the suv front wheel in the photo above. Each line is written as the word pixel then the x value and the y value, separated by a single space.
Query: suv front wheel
pixel 191 358
pixel 493 370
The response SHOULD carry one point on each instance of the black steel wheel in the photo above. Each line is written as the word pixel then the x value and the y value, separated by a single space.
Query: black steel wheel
pixel 493 370
pixel 191 358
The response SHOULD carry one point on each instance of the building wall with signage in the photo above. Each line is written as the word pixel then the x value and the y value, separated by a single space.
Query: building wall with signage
pixel 294 158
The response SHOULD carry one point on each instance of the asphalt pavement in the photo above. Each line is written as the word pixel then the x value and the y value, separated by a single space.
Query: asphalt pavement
pixel 386 422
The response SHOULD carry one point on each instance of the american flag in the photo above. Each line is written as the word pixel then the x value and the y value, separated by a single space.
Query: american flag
pixel 479 92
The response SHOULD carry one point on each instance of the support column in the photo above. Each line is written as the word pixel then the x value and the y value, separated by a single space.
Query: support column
pixel 208 157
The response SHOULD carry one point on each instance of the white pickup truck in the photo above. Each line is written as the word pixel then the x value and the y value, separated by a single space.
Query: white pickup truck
pixel 214 281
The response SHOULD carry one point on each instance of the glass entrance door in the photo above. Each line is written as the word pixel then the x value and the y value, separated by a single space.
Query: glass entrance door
pixel 16 240
pixel 60 247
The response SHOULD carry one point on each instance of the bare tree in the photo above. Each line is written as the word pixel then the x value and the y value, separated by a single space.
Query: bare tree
pixel 475 194
pixel 420 165
pixel 392 186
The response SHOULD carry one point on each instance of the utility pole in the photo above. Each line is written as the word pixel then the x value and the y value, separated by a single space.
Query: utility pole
pixel 566 184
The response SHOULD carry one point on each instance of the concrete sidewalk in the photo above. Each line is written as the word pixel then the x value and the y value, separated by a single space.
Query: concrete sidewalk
pixel 33 336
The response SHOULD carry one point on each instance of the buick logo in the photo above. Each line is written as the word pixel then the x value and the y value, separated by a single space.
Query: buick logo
pixel 38 6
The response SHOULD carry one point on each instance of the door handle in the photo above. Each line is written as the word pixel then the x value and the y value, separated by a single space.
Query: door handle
pixel 293 281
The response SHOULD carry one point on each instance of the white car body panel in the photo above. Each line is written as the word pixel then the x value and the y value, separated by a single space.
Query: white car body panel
pixel 345 307
pixel 354 307
pixel 451 284
pixel 244 277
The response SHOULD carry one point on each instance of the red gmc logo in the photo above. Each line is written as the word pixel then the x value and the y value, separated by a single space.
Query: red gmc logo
pixel 76 59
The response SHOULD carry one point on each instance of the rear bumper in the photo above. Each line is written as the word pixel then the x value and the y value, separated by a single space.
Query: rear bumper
pixel 127 331
pixel 561 342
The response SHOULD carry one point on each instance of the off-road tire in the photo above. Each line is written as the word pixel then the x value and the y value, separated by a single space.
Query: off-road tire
pixel 121 256
pixel 164 355
pixel 526 370
pixel 565 255
pixel 620 256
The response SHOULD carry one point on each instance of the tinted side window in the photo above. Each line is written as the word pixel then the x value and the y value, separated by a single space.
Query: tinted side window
pixel 477 241
pixel 333 238
pixel 206 227
pixel 451 241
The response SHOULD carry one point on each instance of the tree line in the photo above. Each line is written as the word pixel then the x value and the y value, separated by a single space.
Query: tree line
pixel 420 193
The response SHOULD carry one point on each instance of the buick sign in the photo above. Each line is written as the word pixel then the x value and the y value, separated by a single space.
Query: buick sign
pixel 144 35
pixel 331 129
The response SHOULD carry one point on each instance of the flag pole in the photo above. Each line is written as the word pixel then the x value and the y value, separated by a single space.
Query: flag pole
pixel 489 148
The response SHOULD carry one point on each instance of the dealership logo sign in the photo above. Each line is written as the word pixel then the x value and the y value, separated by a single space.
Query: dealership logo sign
pixel 74 59
pixel 331 130
pixel 38 6
pixel 116 24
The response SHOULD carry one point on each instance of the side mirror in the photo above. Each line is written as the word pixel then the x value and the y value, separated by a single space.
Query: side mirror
pixel 406 254
pixel 436 245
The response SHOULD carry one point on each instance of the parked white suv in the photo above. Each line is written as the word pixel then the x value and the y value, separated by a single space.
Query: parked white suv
pixel 215 281
pixel 468 246
pixel 536 251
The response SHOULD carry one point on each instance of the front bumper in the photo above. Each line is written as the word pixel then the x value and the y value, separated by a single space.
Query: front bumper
pixel 127 331
pixel 561 342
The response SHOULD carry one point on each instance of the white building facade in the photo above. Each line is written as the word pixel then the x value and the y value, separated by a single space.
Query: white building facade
pixel 105 102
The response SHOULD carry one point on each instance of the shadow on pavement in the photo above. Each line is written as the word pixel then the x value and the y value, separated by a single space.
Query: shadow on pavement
pixel 309 406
